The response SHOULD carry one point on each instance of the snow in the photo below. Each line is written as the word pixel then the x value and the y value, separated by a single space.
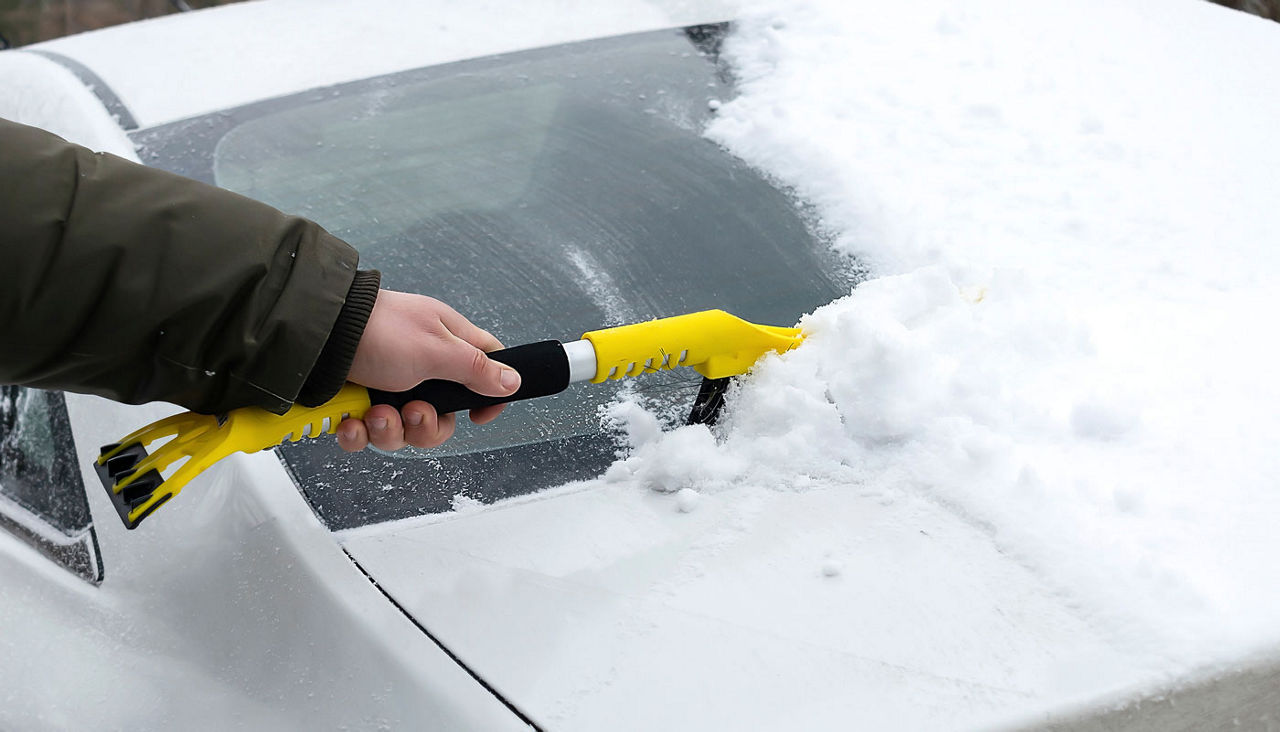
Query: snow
pixel 41 93
pixel 831 567
pixel 1029 462
pixel 182 65
pixel 687 500
pixel 1028 466
pixel 1068 209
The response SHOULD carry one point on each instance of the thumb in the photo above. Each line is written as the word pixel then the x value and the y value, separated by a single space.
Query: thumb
pixel 472 367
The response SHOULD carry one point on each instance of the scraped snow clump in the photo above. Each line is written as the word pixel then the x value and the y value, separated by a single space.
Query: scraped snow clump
pixel 1069 336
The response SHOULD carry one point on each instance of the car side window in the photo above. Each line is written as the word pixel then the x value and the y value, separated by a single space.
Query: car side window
pixel 42 498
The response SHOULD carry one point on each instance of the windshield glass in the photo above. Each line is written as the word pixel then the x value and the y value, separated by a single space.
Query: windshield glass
pixel 542 194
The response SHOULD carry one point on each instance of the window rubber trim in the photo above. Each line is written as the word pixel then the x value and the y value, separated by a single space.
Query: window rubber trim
pixel 77 554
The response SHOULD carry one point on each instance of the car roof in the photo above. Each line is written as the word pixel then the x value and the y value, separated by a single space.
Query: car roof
pixel 43 93
pixel 178 66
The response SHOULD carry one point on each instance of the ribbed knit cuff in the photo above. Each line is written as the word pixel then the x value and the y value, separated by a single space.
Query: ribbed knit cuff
pixel 330 370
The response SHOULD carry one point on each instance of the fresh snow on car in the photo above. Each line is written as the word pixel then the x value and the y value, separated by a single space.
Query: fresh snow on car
pixel 1023 472
pixel 1068 341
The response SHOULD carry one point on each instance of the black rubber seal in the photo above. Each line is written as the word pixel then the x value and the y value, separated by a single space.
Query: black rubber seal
pixel 710 401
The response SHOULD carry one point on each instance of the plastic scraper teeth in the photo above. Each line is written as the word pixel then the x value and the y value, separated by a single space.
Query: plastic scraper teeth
pixel 121 467
pixel 119 464
pixel 141 488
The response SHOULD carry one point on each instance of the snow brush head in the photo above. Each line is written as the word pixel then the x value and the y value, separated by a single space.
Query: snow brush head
pixel 136 480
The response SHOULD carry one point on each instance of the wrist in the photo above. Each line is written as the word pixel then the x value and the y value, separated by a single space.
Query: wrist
pixel 330 370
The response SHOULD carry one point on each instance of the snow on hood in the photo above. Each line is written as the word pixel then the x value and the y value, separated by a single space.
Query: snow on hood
pixel 1071 207
pixel 1030 462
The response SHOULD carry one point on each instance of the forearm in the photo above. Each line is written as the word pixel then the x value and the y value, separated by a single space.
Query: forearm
pixel 139 285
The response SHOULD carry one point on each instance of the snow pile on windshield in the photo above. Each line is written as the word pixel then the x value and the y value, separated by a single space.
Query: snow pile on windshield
pixel 1068 340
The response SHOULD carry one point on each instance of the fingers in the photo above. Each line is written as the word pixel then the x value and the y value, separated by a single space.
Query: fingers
pixel 423 427
pixel 478 373
pixel 485 415
pixel 408 339
pixel 352 435
pixel 381 427
pixel 466 364
pixel 387 429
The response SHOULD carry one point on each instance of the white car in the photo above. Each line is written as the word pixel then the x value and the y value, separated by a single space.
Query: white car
pixel 540 166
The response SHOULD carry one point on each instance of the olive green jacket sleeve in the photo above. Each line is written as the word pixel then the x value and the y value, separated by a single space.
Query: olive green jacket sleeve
pixel 138 285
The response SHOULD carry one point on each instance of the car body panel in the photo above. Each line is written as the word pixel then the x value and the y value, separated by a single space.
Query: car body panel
pixel 42 93
pixel 601 602
pixel 239 610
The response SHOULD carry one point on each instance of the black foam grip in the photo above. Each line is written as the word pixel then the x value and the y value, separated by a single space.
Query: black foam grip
pixel 543 369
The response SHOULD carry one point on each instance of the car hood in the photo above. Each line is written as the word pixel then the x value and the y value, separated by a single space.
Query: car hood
pixel 607 606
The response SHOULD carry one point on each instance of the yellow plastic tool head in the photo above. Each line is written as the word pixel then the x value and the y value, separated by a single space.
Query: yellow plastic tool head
pixel 136 480
pixel 713 342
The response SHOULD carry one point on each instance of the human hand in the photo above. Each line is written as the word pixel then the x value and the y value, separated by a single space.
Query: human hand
pixel 408 339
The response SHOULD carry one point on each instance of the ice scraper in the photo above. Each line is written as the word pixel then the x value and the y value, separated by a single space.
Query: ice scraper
pixel 714 343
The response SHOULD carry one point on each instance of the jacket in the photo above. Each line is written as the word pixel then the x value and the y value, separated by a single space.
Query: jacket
pixel 139 285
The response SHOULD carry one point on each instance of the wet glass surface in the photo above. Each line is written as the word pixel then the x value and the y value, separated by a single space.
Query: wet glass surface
pixel 37 459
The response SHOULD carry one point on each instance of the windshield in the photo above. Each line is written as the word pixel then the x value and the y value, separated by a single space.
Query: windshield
pixel 542 194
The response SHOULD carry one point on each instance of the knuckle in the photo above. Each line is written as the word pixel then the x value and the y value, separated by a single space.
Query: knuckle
pixel 439 435
pixel 390 445
pixel 427 437
pixel 351 436
pixel 426 442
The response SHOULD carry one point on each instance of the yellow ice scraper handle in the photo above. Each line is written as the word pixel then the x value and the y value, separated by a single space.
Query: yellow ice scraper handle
pixel 713 342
